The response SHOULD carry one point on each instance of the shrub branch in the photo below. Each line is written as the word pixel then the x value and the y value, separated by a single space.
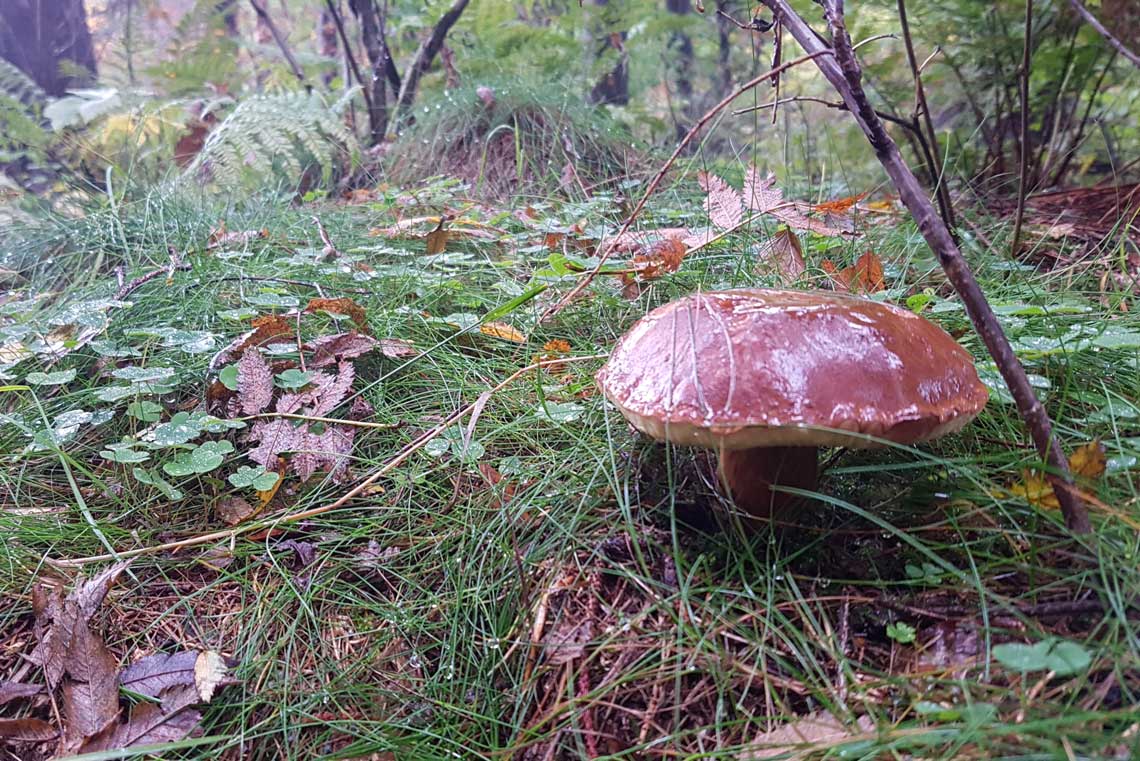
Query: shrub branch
pixel 842 70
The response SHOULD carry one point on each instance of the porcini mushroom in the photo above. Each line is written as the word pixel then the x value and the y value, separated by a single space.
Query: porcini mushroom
pixel 766 377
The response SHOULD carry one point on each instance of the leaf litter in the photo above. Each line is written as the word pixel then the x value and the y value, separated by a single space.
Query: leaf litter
pixel 79 668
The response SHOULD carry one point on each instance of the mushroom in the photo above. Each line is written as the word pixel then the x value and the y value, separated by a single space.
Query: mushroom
pixel 766 377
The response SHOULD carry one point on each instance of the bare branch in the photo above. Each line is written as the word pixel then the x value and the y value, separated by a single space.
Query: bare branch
pixel 842 70
pixel 426 54
pixel 279 38
pixel 712 112
pixel 1094 22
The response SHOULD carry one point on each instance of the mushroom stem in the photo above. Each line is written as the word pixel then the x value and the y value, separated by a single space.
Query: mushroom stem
pixel 748 475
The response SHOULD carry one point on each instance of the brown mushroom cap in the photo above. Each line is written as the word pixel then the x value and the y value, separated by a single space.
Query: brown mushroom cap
pixel 758 368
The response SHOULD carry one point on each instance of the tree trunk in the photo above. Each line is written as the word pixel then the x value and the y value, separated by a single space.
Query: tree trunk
pixel 426 53
pixel 328 44
pixel 681 63
pixel 724 49
pixel 49 41
pixel 613 87
pixel 372 30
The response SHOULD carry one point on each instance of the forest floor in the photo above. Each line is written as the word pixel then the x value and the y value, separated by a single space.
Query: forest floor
pixel 530 579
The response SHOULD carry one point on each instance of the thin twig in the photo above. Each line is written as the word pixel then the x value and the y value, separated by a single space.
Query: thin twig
pixel 843 71
pixel 279 38
pixel 364 88
pixel 922 109
pixel 705 119
pixel 270 523
pixel 1023 97
pixel 1094 22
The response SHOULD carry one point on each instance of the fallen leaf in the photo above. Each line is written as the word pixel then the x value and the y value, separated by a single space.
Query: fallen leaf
pixel 818 730
pixel 502 331
pixel 234 510
pixel 10 691
pixel 343 305
pixel 219 238
pixel 783 253
pixel 865 276
pixel 839 206
pixel 397 348
pixel 26 730
pixel 254 382
pixel 723 203
pixel 762 195
pixel 265 328
pixel 328 349
pixel 1086 463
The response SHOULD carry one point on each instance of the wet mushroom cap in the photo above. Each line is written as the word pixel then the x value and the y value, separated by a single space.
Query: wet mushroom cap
pixel 759 368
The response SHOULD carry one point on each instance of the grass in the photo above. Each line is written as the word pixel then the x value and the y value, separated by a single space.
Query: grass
pixel 590 602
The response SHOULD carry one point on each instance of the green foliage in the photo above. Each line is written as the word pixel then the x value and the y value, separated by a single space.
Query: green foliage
pixel 23 133
pixel 276 139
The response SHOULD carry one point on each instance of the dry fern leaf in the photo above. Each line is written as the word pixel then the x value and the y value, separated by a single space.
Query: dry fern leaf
pixel 723 203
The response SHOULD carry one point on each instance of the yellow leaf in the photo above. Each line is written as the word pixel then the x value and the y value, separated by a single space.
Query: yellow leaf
pixel 1035 490
pixel 265 497
pixel 1088 461
pixel 503 331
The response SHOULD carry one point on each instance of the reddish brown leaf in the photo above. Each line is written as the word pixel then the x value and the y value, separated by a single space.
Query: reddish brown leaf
pixel 10 691
pixel 332 392
pixel 344 305
pixel 782 253
pixel 234 510
pixel 723 203
pixel 397 348
pixel 149 724
pixel 26 730
pixel 666 255
pixel 869 273
pixel 255 382
pixel 265 328
pixel 762 195
pixel 328 349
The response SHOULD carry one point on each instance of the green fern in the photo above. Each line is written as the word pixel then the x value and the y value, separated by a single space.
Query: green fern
pixel 275 137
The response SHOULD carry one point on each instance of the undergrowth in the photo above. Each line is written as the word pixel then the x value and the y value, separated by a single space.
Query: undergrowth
pixel 556 587
pixel 512 138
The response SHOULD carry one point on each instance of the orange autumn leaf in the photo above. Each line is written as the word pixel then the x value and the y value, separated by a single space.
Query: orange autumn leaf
pixel 502 331
pixel 865 276
pixel 838 206
pixel 343 305
pixel 557 346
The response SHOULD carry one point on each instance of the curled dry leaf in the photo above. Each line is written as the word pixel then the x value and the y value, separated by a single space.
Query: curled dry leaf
pixel 343 305
pixel 783 254
pixel 502 331
pixel 265 328
pixel 219 238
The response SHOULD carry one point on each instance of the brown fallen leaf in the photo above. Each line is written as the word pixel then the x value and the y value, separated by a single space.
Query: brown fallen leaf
pixel 234 510
pixel 343 305
pixel 26 730
pixel 254 382
pixel 329 349
pixel 839 206
pixel 865 276
pixel 818 731
pixel 437 239
pixel 10 691
pixel 265 328
pixel 782 253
